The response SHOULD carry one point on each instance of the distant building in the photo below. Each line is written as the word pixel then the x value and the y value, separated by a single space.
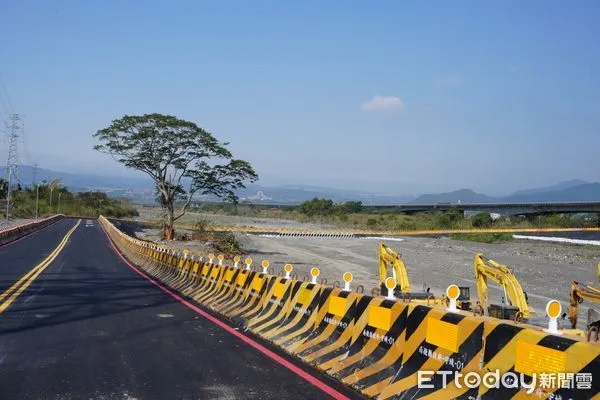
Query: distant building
pixel 260 196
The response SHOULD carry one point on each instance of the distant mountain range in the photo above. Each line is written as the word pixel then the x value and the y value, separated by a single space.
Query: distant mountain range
pixel 574 190
pixel 142 190
pixel 78 182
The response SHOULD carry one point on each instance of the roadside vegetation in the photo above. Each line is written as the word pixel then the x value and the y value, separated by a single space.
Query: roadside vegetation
pixel 54 199
pixel 483 237
pixel 354 214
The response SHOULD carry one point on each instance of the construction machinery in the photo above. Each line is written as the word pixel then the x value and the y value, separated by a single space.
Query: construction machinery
pixel 393 260
pixel 514 303
pixel 580 292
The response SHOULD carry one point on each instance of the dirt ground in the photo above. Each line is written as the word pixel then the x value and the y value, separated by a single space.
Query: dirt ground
pixel 545 270
pixel 190 218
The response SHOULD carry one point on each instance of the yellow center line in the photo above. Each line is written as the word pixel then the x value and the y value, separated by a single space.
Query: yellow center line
pixel 16 289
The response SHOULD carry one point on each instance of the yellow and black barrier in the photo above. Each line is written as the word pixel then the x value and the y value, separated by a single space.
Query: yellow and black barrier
pixel 563 367
pixel 385 348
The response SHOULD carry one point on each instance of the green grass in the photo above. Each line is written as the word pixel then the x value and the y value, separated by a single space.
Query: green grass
pixel 483 237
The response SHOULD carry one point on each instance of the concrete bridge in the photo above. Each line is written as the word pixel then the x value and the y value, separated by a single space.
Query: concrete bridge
pixel 508 209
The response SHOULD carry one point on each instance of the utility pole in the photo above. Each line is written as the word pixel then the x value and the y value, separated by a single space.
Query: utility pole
pixel 12 166
pixel 37 201
pixel 35 169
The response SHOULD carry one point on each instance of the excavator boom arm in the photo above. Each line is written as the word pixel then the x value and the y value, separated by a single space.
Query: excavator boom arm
pixel 489 269
pixel 578 294
pixel 389 257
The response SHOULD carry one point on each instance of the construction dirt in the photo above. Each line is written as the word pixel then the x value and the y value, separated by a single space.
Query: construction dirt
pixel 545 270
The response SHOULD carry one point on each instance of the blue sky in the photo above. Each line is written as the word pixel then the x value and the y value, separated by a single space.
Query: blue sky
pixel 398 97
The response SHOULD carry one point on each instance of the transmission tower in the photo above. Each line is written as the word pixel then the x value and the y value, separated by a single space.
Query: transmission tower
pixel 12 166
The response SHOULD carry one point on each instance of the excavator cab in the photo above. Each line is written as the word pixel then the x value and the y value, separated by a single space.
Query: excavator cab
pixel 464 298
pixel 389 258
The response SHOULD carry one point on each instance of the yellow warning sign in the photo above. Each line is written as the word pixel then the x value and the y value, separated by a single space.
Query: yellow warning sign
pixel 257 283
pixel 534 359
pixel 380 317
pixel 304 296
pixel 279 290
pixel 228 275
pixel 241 279
pixel 337 306
pixel 442 334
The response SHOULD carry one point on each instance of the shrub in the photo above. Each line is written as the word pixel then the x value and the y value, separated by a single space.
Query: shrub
pixel 201 224
pixel 448 219
pixel 371 222
pixel 317 206
pixel 482 220
pixel 352 207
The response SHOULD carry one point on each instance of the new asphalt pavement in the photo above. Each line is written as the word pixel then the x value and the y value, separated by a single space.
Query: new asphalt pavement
pixel 90 327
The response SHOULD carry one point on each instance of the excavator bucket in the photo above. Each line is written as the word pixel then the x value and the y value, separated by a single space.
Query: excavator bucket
pixel 593 319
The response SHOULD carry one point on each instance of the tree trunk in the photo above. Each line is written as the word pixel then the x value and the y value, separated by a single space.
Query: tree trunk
pixel 169 230
pixel 169 233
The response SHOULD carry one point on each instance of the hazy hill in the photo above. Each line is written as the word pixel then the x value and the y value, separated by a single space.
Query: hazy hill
pixel 79 182
pixel 567 191
pixel 585 192
pixel 552 188
pixel 142 190
pixel 463 195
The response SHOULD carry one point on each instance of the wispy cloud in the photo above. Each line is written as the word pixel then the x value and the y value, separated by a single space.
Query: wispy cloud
pixel 383 103
pixel 511 69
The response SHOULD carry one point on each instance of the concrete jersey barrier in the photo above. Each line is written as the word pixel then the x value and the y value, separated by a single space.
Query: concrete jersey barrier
pixel 379 346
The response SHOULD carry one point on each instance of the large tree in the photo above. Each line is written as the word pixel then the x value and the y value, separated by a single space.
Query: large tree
pixel 182 159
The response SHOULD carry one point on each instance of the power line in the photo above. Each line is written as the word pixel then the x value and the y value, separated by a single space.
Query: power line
pixel 6 107
pixel 11 108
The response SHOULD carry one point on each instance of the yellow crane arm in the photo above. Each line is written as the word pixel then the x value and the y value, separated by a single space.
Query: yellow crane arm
pixel 389 257
pixel 504 277
pixel 578 294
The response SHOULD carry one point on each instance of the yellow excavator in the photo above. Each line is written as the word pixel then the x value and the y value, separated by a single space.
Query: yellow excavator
pixel 388 258
pixel 514 303
pixel 580 292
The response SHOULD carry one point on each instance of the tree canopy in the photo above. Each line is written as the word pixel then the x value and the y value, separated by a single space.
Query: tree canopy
pixel 182 159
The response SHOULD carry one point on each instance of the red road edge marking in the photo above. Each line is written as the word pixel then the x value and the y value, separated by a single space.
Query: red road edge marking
pixel 275 357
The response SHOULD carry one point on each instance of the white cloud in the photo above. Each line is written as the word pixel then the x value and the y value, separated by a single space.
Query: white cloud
pixel 383 103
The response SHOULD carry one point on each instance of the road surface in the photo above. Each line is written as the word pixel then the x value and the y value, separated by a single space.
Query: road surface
pixel 86 325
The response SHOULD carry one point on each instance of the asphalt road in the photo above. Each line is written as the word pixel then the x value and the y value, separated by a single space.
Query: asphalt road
pixel 90 327
pixel 19 257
